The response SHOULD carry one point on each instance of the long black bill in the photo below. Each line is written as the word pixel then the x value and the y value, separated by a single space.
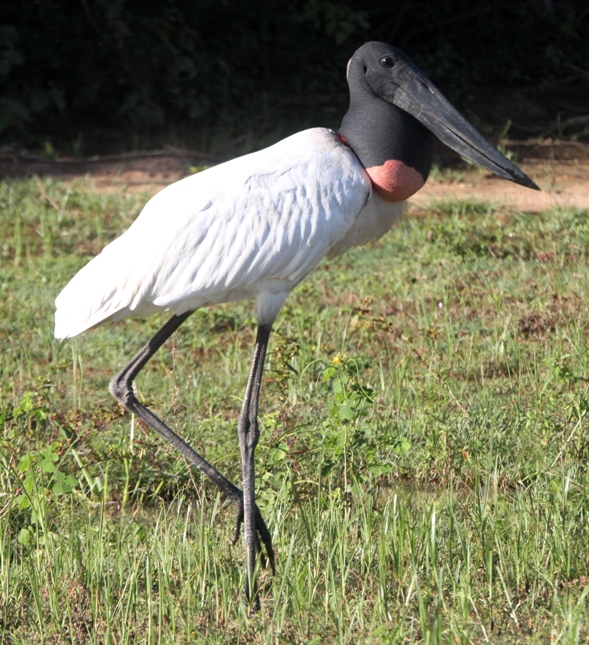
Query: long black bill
pixel 418 96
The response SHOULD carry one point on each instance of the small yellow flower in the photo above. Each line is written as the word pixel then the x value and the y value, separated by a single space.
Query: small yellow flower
pixel 337 359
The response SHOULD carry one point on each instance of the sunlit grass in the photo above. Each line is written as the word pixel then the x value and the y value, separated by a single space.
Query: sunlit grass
pixel 422 465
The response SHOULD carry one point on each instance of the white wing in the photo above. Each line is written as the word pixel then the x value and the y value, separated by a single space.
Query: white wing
pixel 252 226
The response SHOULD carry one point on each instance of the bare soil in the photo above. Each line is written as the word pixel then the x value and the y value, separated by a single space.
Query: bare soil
pixel 561 169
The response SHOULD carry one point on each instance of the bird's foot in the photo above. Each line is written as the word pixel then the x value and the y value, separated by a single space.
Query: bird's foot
pixel 262 533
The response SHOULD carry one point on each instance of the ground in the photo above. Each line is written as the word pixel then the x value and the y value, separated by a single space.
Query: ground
pixel 560 168
pixel 424 447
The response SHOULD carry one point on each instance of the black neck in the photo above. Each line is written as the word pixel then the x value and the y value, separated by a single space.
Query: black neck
pixel 378 131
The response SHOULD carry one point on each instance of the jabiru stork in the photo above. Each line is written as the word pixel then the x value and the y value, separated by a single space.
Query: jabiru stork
pixel 255 226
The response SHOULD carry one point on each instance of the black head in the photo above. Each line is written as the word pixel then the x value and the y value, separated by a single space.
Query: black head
pixel 380 72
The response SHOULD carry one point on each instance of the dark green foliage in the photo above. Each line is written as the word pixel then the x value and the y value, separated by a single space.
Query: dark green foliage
pixel 125 63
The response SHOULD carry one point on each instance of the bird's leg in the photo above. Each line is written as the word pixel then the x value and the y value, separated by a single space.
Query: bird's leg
pixel 121 387
pixel 249 433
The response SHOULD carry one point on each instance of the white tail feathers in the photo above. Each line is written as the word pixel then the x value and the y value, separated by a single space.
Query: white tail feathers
pixel 93 296
pixel 82 304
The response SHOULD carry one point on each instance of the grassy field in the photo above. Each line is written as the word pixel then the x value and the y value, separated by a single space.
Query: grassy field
pixel 424 449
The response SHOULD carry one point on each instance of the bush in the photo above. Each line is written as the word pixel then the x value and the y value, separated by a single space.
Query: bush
pixel 143 64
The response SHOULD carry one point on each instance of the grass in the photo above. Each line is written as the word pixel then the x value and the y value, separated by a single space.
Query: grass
pixel 423 460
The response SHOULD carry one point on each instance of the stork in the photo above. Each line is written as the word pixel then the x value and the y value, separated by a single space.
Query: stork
pixel 255 226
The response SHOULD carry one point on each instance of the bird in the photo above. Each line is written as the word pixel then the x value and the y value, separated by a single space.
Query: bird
pixel 255 226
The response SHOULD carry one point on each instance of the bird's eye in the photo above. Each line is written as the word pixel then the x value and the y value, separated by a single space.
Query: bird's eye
pixel 387 61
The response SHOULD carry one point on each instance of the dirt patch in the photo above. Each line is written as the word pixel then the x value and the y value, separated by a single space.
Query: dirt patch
pixel 136 172
pixel 561 169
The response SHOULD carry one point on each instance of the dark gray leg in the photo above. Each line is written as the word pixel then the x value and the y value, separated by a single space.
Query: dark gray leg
pixel 121 387
pixel 249 433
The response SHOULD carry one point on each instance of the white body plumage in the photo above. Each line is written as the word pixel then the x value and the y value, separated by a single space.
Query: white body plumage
pixel 253 227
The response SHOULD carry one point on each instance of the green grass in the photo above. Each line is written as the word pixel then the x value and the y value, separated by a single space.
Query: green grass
pixel 423 460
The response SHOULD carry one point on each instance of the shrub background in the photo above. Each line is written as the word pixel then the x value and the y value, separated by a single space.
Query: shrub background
pixel 142 64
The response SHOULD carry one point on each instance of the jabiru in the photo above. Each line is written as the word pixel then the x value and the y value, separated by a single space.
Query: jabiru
pixel 255 226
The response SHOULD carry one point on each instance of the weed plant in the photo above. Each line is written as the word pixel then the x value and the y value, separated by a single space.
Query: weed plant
pixel 423 459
